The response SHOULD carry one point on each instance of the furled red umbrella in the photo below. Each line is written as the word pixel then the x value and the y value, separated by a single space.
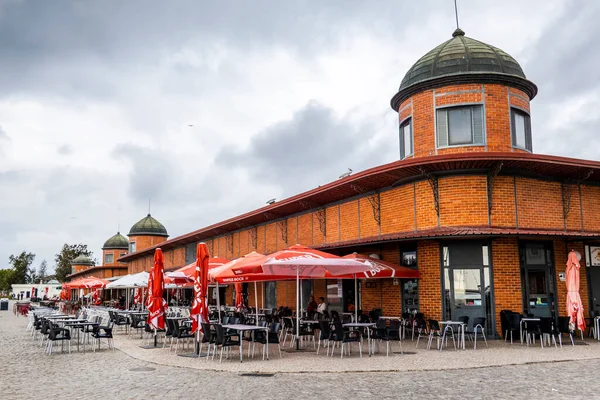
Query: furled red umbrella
pixel 574 305
pixel 149 288
pixel 199 312
pixel 137 296
pixel 64 294
pixel 303 262
pixel 239 296
pixel 156 309
pixel 33 291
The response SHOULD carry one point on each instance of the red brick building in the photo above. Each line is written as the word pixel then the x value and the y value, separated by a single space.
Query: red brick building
pixel 487 222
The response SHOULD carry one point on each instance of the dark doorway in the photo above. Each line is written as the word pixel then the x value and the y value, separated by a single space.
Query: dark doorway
pixel 537 279
pixel 592 262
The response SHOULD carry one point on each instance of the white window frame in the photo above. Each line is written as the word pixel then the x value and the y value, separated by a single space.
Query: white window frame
pixel 513 133
pixel 438 125
pixel 403 153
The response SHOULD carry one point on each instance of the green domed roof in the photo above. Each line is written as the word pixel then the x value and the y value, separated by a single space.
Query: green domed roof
pixel 462 60
pixel 148 226
pixel 118 241
pixel 82 260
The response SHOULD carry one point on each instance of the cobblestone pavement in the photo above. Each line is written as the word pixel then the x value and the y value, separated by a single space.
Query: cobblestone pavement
pixel 25 372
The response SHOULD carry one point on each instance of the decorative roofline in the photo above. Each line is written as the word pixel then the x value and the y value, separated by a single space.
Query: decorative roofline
pixel 462 78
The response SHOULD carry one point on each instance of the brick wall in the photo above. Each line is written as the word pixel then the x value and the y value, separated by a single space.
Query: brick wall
pixel 463 200
pixel 496 99
pixel 540 204
pixel 430 297
pixel 507 276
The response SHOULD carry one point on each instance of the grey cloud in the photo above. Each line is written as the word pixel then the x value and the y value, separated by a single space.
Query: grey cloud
pixel 154 175
pixel 311 149
pixel 65 150
pixel 564 60
pixel 72 48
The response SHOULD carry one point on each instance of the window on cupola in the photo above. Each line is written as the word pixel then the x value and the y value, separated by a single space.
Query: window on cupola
pixel 109 258
pixel 132 247
pixel 460 126
pixel 521 129
pixel 406 140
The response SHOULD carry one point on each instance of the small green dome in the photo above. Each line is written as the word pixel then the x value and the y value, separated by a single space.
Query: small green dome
pixel 118 241
pixel 82 260
pixel 148 226
pixel 462 60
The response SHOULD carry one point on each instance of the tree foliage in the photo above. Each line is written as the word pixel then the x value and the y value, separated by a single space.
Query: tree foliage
pixel 6 279
pixel 67 254
pixel 21 265
pixel 43 271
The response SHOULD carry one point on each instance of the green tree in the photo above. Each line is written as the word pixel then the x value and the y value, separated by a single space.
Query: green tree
pixel 42 271
pixel 20 265
pixel 68 253
pixel 6 279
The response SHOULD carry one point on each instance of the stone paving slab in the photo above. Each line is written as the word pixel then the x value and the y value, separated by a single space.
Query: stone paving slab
pixel 25 373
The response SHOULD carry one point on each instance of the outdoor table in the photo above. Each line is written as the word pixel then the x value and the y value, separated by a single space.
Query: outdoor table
pixel 59 316
pixel 241 328
pixel 460 333
pixel 363 325
pixel 521 326
pixel 79 324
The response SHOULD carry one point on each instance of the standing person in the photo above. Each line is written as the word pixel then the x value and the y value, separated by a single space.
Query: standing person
pixel 312 306
pixel 322 307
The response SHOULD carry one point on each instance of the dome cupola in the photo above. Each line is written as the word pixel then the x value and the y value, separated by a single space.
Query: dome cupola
pixel 117 241
pixel 462 60
pixel 82 260
pixel 148 226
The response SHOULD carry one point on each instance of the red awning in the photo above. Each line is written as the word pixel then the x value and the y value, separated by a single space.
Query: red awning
pixel 382 269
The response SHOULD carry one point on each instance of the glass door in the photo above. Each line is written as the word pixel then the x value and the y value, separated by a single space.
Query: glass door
pixel 467 287
pixel 537 277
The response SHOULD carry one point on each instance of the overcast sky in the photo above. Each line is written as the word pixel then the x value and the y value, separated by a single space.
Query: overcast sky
pixel 96 99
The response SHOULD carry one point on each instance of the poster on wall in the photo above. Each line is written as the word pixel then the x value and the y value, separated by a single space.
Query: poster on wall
pixel 595 256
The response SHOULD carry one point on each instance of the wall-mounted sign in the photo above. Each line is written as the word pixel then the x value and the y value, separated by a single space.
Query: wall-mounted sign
pixel 562 277
pixel 371 284
pixel 396 282
pixel 595 256
pixel 340 288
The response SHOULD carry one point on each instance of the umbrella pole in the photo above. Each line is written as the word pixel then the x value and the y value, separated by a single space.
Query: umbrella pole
pixel 297 309
pixel 218 302
pixel 256 303
pixel 198 335
pixel 355 299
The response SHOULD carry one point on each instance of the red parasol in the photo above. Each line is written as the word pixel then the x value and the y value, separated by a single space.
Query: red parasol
pixel 87 283
pixel 199 311
pixel 574 305
pixel 189 271
pixel 149 288
pixel 156 309
pixel 137 296
pixel 244 269
pixel 33 292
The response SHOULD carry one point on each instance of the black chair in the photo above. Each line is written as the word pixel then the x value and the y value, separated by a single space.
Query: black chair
pixel 120 320
pixel 419 327
pixel 393 333
pixel 57 334
pixel 273 335
pixel 103 332
pixel 138 322
pixel 532 330
pixel 547 328
pixel 513 324
pixel 343 336
pixel 434 331
pixel 324 334
pixel 180 332
pixel 208 336
pixel 224 340
pixel 335 316
pixel 478 328
pixel 563 327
